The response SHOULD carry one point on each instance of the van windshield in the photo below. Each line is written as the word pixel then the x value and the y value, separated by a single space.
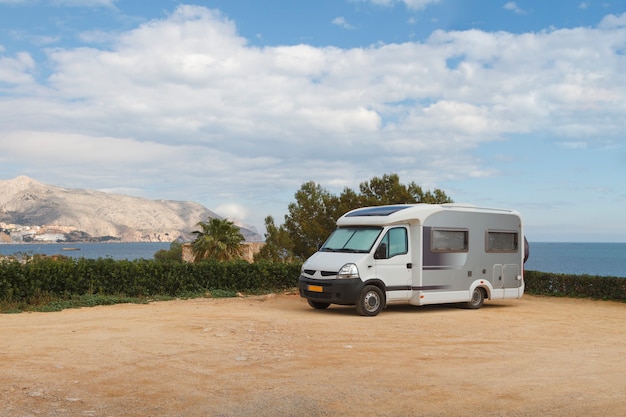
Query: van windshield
pixel 352 239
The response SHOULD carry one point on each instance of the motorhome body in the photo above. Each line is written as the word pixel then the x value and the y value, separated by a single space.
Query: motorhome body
pixel 420 254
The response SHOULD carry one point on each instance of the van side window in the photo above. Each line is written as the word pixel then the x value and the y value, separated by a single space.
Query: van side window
pixel 395 242
pixel 449 240
pixel 501 241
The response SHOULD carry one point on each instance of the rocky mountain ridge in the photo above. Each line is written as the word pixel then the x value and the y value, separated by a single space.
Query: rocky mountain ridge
pixel 32 211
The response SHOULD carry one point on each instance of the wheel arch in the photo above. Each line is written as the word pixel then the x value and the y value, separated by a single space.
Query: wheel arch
pixel 484 285
pixel 380 284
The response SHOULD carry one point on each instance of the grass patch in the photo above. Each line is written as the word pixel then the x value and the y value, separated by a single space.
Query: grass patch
pixel 51 304
pixel 218 293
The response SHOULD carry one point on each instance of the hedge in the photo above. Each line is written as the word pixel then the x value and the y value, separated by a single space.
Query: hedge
pixel 63 278
pixel 604 288
pixel 68 277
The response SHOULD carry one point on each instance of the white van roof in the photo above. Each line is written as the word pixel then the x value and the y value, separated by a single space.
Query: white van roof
pixel 404 213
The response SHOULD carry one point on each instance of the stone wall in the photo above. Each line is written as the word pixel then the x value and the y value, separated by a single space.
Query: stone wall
pixel 187 254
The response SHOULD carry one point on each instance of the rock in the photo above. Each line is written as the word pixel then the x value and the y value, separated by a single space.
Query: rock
pixel 32 211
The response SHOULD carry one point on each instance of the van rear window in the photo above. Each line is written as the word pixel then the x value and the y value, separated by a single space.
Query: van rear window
pixel 501 241
pixel 449 240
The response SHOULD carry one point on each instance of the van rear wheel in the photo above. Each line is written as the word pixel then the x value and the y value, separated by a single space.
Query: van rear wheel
pixel 371 301
pixel 318 305
pixel 477 300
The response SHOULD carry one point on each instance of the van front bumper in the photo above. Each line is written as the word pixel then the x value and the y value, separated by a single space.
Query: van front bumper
pixel 333 291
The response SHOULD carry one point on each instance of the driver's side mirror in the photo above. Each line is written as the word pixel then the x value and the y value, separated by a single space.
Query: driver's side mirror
pixel 381 251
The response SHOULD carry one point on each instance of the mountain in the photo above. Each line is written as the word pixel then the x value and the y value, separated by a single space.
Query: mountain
pixel 30 210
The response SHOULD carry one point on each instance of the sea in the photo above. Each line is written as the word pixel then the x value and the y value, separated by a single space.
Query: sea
pixel 602 259
pixel 114 250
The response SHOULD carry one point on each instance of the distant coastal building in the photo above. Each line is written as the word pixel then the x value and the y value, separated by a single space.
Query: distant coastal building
pixel 49 237
pixel 15 233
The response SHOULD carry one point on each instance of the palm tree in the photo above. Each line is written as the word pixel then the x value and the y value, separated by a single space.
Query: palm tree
pixel 218 239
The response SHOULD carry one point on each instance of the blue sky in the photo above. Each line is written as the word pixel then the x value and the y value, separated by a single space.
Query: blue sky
pixel 236 104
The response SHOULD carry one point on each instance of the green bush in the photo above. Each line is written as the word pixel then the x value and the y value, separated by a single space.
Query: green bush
pixel 65 278
pixel 174 253
pixel 59 281
pixel 604 288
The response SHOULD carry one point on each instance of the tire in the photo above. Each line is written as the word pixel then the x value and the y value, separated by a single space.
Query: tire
pixel 371 301
pixel 318 305
pixel 477 300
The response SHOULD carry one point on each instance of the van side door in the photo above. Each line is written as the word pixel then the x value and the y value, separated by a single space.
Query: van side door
pixel 393 263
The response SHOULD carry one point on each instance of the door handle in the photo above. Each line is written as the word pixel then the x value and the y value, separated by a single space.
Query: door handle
pixel 409 265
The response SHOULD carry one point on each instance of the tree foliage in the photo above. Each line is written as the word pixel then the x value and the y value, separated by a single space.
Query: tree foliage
pixel 389 190
pixel 278 245
pixel 312 216
pixel 174 253
pixel 217 239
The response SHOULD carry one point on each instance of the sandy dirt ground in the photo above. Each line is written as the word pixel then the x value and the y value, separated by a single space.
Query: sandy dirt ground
pixel 275 356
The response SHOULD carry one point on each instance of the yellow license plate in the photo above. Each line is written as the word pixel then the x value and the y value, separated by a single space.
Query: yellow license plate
pixel 316 288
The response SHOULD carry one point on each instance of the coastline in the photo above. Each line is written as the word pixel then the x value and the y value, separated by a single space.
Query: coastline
pixel 574 258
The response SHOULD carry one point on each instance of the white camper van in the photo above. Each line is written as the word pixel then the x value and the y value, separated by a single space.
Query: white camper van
pixel 418 254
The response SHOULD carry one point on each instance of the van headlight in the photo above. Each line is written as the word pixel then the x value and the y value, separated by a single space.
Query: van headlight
pixel 348 271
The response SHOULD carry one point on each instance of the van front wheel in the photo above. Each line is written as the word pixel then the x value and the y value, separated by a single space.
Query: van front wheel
pixel 371 301
pixel 477 300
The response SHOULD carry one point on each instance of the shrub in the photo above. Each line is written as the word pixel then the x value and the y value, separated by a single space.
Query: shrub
pixel 47 280
pixel 65 278
pixel 604 288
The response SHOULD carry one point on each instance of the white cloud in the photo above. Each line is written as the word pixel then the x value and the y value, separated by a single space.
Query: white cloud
pixel 185 104
pixel 613 22
pixel 68 148
pixel 233 212
pixel 17 69
pixel 85 3
pixel 410 4
pixel 573 145
pixel 512 6
pixel 418 4
pixel 341 21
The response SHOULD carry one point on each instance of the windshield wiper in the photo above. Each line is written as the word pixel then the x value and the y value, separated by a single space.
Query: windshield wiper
pixel 343 250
